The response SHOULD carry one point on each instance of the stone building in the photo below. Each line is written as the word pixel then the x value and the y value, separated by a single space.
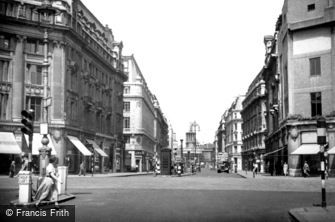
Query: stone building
pixel 254 124
pixel 145 128
pixel 303 84
pixel 82 65
pixel 275 155
pixel 233 132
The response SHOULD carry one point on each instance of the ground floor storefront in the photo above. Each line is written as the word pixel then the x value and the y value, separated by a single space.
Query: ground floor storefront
pixel 296 144
pixel 139 161
pixel 252 157
pixel 99 153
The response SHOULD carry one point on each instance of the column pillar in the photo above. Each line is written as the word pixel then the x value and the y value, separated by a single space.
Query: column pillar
pixel 133 160
pixel 18 79
pixel 60 146
pixel 293 160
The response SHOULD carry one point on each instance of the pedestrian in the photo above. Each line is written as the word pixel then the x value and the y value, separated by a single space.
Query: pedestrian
pixel 12 169
pixel 82 168
pixel 271 168
pixel 254 171
pixel 285 169
pixel 47 190
pixel 24 164
pixel 306 169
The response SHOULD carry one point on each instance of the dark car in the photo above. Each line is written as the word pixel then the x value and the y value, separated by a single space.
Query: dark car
pixel 223 167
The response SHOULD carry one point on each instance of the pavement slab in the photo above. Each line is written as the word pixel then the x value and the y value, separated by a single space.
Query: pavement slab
pixel 313 214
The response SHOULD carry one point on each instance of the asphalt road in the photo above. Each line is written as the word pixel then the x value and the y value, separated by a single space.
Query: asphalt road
pixel 206 196
pixel 188 205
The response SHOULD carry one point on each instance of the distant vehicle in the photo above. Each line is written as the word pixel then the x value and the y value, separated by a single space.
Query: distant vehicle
pixel 224 167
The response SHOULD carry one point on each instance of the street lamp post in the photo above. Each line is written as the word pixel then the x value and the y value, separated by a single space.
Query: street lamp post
pixel 182 155
pixel 194 127
pixel 321 139
pixel 46 10
pixel 181 150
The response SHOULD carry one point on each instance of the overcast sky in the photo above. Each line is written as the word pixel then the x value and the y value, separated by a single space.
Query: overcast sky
pixel 196 55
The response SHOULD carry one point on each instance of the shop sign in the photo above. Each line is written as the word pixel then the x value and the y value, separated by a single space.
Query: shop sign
pixel 139 152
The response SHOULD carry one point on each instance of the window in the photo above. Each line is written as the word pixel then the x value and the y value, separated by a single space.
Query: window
pixel 316 104
pixel 127 139
pixel 315 66
pixel 22 11
pixel 34 46
pixel 311 7
pixel 235 149
pixel 35 103
pixel 4 70
pixel 126 122
pixel 4 42
pixel 126 90
pixel 3 105
pixel 34 74
pixel 126 106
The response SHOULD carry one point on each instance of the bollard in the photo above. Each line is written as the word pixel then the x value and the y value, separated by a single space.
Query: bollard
pixel 62 176
pixel 25 181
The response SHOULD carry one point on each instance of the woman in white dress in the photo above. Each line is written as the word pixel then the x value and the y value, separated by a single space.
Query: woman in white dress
pixel 47 190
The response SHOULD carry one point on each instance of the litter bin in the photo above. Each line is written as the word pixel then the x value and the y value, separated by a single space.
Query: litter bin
pixel 62 175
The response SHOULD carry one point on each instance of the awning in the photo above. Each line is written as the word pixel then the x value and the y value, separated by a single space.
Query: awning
pixel 8 144
pixel 275 151
pixel 80 146
pixel 307 149
pixel 97 148
pixel 331 151
pixel 37 143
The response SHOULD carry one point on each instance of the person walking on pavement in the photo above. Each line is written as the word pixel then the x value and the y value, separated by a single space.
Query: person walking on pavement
pixel 82 170
pixel 12 169
pixel 285 169
pixel 254 171
pixel 306 169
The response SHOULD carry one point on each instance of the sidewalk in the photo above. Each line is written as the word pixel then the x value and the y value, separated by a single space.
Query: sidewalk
pixel 127 174
pixel 249 175
pixel 312 214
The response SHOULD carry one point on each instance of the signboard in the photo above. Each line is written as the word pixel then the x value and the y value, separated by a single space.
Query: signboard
pixel 139 152
pixel 25 178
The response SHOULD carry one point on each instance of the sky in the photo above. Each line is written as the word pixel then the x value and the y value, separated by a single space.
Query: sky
pixel 196 56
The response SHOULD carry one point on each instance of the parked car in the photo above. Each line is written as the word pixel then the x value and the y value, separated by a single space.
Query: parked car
pixel 224 167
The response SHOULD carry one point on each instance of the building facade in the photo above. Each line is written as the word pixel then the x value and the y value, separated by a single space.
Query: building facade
pixel 145 127
pixel 233 132
pixel 83 67
pixel 208 156
pixel 254 124
pixel 306 84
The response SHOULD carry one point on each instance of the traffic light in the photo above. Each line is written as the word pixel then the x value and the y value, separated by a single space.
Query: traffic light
pixel 27 121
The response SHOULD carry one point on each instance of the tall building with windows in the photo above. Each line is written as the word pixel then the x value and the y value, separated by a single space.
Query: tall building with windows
pixel 84 85
pixel 145 128
pixel 254 124
pixel 305 84
pixel 233 132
